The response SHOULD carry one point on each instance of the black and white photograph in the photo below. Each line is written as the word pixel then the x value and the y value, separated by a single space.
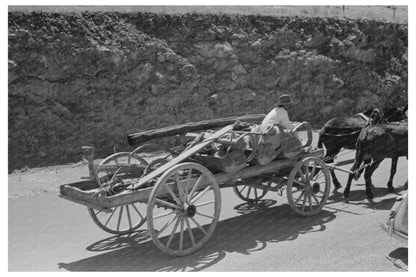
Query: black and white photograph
pixel 221 137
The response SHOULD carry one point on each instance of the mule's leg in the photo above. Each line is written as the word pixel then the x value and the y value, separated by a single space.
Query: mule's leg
pixel 350 177
pixel 330 156
pixel 367 176
pixel 392 173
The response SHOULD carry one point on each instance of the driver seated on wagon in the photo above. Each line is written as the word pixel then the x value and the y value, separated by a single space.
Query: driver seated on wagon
pixel 274 141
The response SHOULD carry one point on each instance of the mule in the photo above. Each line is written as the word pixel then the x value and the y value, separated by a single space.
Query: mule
pixel 342 132
pixel 374 144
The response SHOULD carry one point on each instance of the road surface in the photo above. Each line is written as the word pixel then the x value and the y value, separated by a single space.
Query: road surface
pixel 47 233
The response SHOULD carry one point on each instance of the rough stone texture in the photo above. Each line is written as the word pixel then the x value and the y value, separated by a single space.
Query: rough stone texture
pixel 91 78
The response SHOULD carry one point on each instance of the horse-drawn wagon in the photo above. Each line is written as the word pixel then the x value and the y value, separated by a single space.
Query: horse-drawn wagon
pixel 179 186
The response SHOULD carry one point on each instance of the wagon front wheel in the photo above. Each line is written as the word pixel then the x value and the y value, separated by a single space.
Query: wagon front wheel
pixel 308 186
pixel 183 209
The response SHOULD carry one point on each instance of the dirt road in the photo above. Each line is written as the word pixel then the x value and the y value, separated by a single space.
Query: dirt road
pixel 47 233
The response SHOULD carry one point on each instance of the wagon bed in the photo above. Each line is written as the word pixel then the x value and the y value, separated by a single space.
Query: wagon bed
pixel 186 186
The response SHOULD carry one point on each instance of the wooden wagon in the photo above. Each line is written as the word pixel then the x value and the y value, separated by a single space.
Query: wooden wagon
pixel 179 186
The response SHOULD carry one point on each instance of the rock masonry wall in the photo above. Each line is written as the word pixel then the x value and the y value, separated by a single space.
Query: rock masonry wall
pixel 92 78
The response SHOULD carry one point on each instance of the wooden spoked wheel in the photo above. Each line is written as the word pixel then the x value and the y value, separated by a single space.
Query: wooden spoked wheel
pixel 308 186
pixel 249 194
pixel 124 158
pixel 183 209
pixel 122 219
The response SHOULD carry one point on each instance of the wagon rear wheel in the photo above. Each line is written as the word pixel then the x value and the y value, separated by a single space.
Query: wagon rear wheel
pixel 183 209
pixel 119 220
pixel 249 194
pixel 122 219
pixel 308 186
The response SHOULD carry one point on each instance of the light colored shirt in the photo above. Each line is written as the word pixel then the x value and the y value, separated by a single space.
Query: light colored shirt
pixel 278 116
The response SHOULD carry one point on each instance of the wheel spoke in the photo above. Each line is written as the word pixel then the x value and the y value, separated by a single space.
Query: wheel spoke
pixel 173 206
pixel 205 215
pixel 188 183
pixel 137 211
pixel 313 171
pixel 119 218
pixel 255 193
pixel 320 173
pixel 306 173
pixel 190 231
pixel 180 189
pixel 304 203
pixel 128 216
pixel 108 219
pixel 200 194
pixel 199 226
pixel 316 199
pixel 300 196
pixel 167 225
pixel 299 183
pixel 162 215
pixel 205 203
pixel 168 188
pixel 242 188
pixel 172 233
pixel 197 183
pixel 181 236
pixel 248 192
pixel 310 202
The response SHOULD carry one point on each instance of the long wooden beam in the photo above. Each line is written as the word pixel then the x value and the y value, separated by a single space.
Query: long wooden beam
pixel 141 137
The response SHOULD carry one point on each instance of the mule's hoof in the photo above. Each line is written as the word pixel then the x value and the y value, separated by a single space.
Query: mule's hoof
pixel 391 189
pixel 370 196
pixel 346 199
pixel 337 186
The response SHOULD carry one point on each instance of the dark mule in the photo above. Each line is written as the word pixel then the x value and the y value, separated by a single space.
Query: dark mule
pixel 342 132
pixel 374 144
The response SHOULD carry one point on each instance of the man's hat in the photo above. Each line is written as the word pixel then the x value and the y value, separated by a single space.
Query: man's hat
pixel 284 99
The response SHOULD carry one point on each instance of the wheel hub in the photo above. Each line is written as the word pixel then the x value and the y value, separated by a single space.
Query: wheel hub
pixel 316 188
pixel 190 211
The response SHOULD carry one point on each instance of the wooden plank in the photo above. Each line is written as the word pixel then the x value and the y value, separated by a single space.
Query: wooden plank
pixel 141 137
pixel 183 156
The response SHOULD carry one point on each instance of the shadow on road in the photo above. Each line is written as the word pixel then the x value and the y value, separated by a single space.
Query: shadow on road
pixel 399 257
pixel 383 199
pixel 250 232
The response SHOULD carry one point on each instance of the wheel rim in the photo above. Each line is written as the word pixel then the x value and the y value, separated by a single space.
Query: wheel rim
pixel 183 209
pixel 308 186
pixel 122 219
pixel 249 194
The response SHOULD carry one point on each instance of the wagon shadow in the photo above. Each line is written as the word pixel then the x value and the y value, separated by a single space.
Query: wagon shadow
pixel 245 234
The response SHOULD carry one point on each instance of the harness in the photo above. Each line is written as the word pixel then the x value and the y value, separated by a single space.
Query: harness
pixel 363 116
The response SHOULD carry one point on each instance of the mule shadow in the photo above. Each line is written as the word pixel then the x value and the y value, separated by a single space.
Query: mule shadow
pixel 247 233
pixel 383 199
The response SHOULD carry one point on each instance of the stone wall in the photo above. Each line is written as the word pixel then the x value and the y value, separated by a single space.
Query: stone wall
pixel 91 78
